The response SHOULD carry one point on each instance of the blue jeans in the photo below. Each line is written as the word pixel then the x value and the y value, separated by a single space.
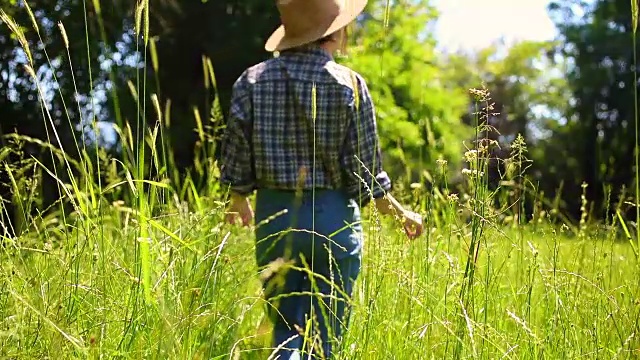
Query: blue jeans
pixel 293 295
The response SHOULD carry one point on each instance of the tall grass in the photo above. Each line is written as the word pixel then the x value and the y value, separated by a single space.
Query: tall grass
pixel 156 274
pixel 634 27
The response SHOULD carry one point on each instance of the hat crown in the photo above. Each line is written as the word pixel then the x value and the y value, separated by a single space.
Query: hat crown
pixel 301 16
pixel 304 21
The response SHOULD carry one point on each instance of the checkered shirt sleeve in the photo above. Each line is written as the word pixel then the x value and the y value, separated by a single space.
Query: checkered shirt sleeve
pixel 363 156
pixel 237 171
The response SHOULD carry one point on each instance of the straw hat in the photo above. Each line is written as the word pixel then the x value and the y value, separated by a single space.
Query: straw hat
pixel 305 21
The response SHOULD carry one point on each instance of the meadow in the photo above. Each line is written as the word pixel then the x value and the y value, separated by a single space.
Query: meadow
pixel 137 267
pixel 110 280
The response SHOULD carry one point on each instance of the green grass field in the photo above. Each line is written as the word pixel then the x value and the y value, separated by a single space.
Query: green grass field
pixel 77 291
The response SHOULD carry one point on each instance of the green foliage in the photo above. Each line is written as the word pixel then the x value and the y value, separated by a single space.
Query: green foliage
pixel 597 40
pixel 576 104
pixel 528 91
pixel 529 98
pixel 418 114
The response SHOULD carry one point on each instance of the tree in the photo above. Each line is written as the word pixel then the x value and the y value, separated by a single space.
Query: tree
pixel 598 138
pixel 34 43
pixel 106 55
pixel 527 91
pixel 418 114
pixel 231 33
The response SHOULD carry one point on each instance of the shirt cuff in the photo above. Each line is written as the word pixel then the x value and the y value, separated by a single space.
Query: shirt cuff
pixel 241 189
pixel 365 192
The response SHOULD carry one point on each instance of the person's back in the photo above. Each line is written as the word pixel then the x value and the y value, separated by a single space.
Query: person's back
pixel 334 120
pixel 303 103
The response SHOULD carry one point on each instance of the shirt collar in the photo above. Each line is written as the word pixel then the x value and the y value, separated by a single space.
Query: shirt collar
pixel 311 50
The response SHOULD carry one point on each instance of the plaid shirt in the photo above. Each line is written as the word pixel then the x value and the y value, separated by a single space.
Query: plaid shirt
pixel 266 146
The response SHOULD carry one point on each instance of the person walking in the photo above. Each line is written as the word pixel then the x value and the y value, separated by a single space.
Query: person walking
pixel 302 135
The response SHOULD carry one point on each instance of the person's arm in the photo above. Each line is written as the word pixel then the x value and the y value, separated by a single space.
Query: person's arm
pixel 364 163
pixel 236 170
pixel 388 205
pixel 363 156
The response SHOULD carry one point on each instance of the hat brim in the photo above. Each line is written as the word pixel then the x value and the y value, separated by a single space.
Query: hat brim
pixel 280 40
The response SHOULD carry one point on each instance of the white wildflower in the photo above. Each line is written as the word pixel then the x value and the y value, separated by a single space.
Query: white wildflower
pixel 471 155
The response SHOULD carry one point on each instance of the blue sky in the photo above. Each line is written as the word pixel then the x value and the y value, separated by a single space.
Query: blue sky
pixel 473 24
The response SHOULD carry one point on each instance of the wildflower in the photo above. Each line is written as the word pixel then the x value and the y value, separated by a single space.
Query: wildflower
pixel 483 149
pixel 471 155
pixel 534 251
pixel 481 94
pixel 472 173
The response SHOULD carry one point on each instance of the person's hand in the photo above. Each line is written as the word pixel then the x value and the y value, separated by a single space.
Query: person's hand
pixel 412 223
pixel 240 207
